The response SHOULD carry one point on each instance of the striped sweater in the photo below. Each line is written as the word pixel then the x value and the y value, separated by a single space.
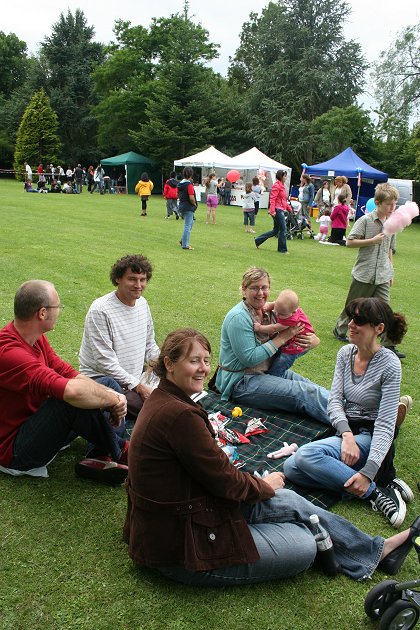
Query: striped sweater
pixel 374 399
pixel 117 340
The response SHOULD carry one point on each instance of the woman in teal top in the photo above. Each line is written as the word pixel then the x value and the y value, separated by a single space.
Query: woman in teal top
pixel 246 358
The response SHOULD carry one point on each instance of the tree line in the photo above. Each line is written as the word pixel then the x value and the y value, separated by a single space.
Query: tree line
pixel 291 89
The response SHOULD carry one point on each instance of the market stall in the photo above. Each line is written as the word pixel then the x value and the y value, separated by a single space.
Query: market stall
pixel 250 164
pixel 362 177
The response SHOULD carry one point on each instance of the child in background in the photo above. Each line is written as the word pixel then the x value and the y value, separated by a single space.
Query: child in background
pixel 249 208
pixel 220 190
pixel 170 193
pixel 144 189
pixel 212 197
pixel 339 221
pixel 287 313
pixel 257 190
pixel 324 225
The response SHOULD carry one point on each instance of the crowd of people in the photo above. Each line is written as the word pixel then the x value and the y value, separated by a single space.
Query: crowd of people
pixel 191 514
pixel 54 179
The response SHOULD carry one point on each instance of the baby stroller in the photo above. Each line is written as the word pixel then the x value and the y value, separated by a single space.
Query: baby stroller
pixel 296 223
pixel 395 604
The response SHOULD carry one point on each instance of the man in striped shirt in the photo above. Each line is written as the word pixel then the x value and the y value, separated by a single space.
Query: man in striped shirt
pixel 119 336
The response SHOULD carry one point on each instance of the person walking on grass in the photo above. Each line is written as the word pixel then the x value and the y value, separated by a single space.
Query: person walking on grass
pixel 277 208
pixel 187 206
pixel 170 193
pixel 144 189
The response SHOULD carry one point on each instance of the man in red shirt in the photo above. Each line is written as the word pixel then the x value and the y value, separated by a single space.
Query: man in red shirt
pixel 45 403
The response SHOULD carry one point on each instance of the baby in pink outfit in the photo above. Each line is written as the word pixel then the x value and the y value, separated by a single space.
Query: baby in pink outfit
pixel 287 313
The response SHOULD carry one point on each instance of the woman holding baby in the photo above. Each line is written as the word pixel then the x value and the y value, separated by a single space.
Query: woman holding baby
pixel 247 371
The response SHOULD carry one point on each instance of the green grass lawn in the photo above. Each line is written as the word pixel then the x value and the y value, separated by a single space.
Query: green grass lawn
pixel 62 561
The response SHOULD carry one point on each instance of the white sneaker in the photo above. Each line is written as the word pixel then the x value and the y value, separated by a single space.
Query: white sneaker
pixel 403 488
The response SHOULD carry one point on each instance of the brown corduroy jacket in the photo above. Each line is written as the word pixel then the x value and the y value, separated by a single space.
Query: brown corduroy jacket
pixel 184 495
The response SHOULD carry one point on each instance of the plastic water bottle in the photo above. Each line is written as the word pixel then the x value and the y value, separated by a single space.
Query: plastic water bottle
pixel 326 554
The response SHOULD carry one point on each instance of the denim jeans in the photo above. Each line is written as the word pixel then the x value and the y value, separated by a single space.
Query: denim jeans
pixel 291 393
pixel 171 207
pixel 188 223
pixel 54 425
pixel 279 230
pixel 318 464
pixel 249 217
pixel 283 362
pixel 280 529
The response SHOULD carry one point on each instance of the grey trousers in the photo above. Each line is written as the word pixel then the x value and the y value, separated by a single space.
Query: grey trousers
pixel 361 289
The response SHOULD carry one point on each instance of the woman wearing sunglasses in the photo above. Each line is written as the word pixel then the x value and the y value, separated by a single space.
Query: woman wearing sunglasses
pixel 365 409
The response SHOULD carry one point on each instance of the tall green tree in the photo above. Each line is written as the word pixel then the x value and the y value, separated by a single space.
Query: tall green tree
pixel 37 140
pixel 397 83
pixel 180 108
pixel 69 56
pixel 342 127
pixel 296 65
pixel 122 84
pixel 13 62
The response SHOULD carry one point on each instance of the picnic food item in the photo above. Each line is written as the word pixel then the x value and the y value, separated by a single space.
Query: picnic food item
pixel 255 426
pixel 236 412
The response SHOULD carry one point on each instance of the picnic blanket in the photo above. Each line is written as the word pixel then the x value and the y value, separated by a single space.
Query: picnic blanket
pixel 282 427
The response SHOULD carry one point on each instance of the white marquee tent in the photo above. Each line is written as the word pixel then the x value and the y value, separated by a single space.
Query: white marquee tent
pixel 248 164
pixel 210 158
pixel 256 160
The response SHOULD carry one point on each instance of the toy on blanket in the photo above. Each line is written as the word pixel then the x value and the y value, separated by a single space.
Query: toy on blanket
pixel 401 218
pixel 288 449
pixel 236 412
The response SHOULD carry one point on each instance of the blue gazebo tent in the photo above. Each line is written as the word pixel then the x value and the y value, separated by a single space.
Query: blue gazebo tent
pixel 348 163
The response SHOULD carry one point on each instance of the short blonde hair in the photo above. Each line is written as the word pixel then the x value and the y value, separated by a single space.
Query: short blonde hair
pixel 253 274
pixel 386 192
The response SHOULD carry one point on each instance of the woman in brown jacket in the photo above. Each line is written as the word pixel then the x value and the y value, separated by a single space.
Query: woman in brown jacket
pixel 196 518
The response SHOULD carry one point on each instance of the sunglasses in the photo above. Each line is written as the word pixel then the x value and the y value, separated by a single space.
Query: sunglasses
pixel 358 319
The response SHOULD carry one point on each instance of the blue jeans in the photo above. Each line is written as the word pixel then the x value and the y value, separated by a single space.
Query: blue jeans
pixel 171 207
pixel 279 230
pixel 280 529
pixel 188 223
pixel 318 464
pixel 291 393
pixel 249 217
pixel 284 362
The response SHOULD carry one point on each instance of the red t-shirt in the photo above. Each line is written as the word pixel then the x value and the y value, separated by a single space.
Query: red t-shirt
pixel 28 376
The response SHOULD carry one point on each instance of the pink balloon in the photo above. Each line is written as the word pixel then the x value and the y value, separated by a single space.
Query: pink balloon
pixel 233 176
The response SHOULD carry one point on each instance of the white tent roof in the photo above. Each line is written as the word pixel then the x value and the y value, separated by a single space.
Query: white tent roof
pixel 209 157
pixel 256 159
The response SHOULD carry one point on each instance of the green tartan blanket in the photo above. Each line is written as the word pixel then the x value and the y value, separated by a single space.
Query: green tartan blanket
pixel 282 427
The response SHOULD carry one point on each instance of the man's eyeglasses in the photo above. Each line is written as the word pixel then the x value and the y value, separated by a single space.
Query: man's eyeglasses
pixel 256 289
pixel 60 306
